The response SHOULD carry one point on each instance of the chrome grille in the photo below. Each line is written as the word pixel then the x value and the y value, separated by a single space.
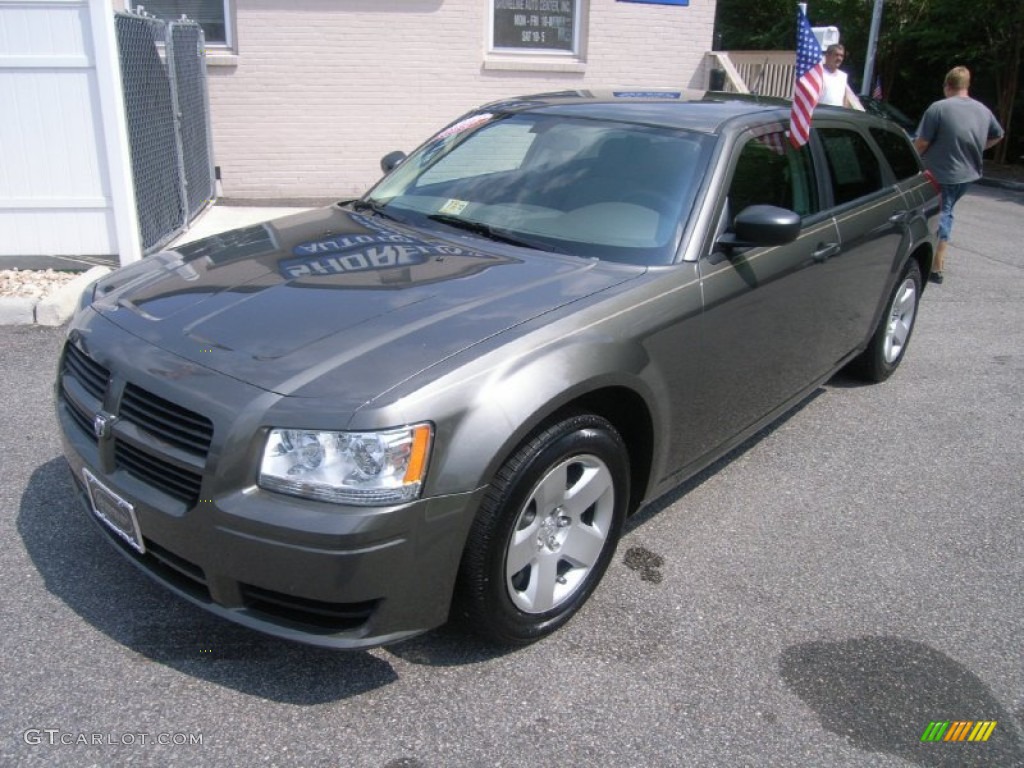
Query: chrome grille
pixel 161 443
pixel 81 418
pixel 167 421
pixel 91 375
pixel 162 475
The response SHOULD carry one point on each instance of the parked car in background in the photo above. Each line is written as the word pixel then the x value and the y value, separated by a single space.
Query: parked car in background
pixel 889 112
pixel 444 398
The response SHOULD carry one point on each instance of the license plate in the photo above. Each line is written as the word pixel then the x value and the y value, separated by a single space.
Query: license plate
pixel 116 513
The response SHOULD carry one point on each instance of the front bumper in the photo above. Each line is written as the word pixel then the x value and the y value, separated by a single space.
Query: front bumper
pixel 318 573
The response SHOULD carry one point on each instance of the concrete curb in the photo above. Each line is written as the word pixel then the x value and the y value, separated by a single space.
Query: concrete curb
pixel 1016 186
pixel 17 310
pixel 55 309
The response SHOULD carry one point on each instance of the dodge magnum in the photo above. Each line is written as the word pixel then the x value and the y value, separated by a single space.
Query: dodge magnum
pixel 442 399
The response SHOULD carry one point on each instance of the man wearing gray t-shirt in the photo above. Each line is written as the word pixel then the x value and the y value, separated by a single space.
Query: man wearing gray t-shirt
pixel 952 136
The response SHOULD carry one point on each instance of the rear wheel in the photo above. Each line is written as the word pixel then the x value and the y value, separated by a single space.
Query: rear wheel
pixel 546 532
pixel 889 343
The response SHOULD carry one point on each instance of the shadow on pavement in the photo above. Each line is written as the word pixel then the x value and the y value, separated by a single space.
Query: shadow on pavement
pixel 881 693
pixel 82 569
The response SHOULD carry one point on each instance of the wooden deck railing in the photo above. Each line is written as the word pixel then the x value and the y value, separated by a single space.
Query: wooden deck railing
pixel 768 73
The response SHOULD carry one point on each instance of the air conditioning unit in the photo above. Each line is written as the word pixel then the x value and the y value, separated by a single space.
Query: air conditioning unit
pixel 826 36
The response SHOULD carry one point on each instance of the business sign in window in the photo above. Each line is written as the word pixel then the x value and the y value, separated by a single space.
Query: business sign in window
pixel 535 25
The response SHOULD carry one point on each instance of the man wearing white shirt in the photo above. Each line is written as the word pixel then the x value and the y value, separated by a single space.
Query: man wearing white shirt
pixel 834 91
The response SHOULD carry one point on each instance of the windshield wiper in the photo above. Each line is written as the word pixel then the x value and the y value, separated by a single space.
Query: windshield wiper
pixel 373 205
pixel 491 233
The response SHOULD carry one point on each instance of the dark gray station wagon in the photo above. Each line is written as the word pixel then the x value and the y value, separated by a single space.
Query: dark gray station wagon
pixel 444 398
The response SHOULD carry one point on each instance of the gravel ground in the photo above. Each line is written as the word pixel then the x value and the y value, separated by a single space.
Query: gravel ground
pixel 33 284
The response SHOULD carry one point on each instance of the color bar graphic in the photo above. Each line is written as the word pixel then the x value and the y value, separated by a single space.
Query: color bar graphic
pixel 982 730
pixel 959 730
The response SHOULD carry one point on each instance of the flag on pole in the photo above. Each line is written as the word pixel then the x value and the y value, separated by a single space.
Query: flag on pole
pixel 810 79
pixel 876 92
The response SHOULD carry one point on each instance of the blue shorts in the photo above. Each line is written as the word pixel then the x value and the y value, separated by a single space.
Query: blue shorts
pixel 950 194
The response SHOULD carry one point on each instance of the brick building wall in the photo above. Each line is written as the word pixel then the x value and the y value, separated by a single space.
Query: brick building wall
pixel 316 91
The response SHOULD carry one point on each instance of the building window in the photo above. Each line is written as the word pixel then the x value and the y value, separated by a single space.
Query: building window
pixel 212 15
pixel 536 26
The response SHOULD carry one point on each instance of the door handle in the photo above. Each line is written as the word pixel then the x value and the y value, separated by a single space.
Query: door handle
pixel 900 217
pixel 825 251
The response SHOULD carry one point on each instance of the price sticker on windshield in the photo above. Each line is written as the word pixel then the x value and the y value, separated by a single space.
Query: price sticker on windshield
pixel 454 207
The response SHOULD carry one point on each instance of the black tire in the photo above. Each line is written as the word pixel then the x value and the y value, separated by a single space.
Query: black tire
pixel 892 336
pixel 536 515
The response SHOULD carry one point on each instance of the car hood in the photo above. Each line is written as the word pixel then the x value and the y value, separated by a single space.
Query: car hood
pixel 335 303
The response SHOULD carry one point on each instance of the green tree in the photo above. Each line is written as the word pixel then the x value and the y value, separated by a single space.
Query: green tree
pixel 919 41
pixel 987 41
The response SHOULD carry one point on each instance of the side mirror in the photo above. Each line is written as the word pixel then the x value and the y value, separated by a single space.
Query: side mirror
pixel 762 225
pixel 392 160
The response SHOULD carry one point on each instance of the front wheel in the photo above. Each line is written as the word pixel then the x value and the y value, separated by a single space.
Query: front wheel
pixel 889 343
pixel 545 532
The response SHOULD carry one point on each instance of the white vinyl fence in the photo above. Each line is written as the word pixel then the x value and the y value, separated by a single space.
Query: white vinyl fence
pixel 65 177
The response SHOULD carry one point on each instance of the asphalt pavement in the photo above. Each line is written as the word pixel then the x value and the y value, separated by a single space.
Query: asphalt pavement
pixel 818 598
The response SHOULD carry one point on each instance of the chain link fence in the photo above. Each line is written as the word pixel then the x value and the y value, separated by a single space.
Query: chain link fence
pixel 163 74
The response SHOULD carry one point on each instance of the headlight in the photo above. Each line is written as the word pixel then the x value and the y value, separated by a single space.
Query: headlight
pixel 363 468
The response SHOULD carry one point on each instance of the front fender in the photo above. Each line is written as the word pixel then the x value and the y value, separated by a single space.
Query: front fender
pixel 491 406
pixel 528 392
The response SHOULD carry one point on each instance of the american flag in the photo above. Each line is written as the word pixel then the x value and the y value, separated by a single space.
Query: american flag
pixel 776 142
pixel 810 74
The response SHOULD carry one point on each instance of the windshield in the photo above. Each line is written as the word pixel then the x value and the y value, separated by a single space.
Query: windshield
pixel 590 188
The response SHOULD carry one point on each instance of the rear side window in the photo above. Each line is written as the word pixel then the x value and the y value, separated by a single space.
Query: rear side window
pixel 898 153
pixel 769 171
pixel 852 164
